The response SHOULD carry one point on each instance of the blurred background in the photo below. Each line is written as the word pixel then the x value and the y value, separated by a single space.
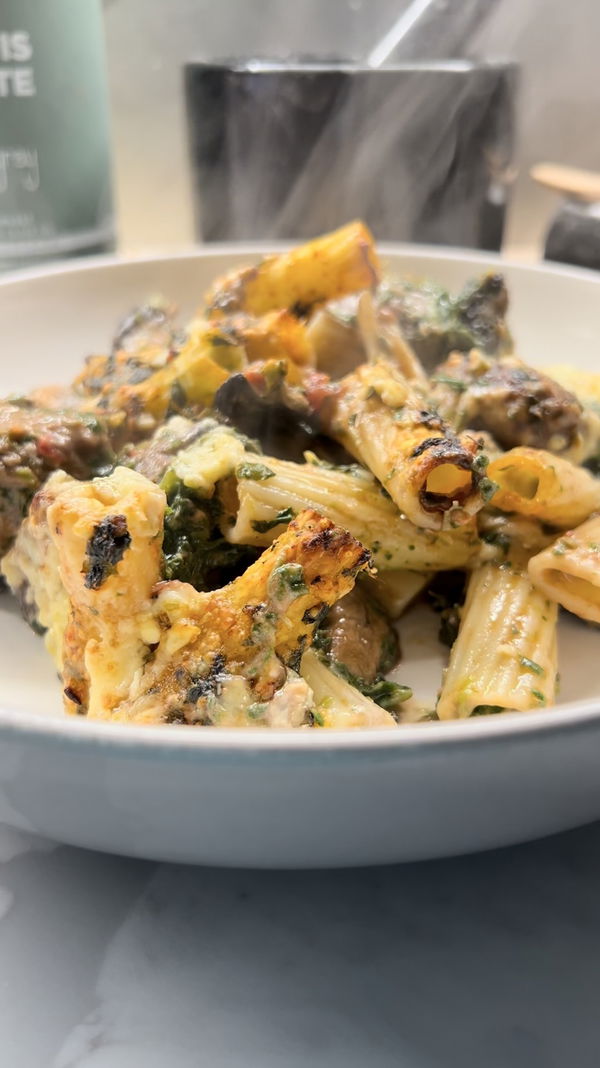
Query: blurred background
pixel 549 114
pixel 559 98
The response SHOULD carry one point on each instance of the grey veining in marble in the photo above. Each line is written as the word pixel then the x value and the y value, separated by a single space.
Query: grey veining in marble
pixel 481 962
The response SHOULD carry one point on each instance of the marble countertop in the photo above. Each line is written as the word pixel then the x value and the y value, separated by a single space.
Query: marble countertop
pixel 488 961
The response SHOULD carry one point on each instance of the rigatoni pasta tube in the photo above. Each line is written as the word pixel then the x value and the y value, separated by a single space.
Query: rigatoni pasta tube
pixel 262 620
pixel 336 340
pixel 396 590
pixel 344 261
pixel 536 483
pixel 191 377
pixel 107 534
pixel 383 340
pixel 428 472
pixel 338 705
pixel 267 493
pixel 273 336
pixel 505 655
pixel 500 531
pixel 584 384
pixel 569 570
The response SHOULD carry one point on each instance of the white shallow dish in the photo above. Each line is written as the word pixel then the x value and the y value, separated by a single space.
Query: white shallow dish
pixel 289 799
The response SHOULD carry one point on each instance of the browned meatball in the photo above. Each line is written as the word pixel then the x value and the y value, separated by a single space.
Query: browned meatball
pixel 360 637
pixel 521 406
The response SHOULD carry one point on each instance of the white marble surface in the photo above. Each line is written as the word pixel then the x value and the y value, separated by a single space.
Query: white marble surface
pixel 482 962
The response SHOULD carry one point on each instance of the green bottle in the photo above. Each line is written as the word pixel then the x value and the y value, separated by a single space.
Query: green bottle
pixel 55 189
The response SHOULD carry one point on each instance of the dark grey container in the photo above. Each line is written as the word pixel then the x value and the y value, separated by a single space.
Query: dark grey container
pixel 420 151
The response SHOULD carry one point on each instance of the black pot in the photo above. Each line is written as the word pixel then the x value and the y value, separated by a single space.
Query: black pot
pixel 421 151
pixel 574 235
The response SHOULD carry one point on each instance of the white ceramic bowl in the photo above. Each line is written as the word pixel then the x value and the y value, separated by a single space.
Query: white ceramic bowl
pixel 288 799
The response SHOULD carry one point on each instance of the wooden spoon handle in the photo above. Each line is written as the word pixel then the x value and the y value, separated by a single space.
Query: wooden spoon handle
pixel 584 185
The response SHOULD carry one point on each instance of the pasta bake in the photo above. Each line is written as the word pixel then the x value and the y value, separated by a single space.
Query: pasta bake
pixel 225 523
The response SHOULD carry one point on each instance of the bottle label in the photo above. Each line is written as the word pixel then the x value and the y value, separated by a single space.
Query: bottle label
pixel 55 196
pixel 19 179
pixel 16 79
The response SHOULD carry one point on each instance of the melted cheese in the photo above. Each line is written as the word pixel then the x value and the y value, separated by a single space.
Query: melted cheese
pixel 104 648
pixel 134 648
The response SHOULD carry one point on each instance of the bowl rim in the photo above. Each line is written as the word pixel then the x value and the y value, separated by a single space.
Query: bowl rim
pixel 444 253
pixel 164 739
pixel 434 737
